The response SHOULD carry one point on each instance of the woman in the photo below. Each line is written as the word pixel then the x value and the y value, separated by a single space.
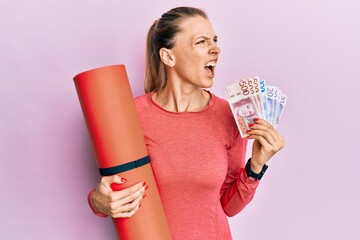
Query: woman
pixel 197 155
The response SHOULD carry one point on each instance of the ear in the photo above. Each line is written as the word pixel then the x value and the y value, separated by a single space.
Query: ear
pixel 167 57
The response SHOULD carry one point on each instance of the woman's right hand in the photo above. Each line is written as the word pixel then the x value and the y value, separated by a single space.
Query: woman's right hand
pixel 117 204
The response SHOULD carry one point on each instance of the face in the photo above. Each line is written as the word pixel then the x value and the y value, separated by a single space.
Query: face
pixel 195 53
pixel 246 110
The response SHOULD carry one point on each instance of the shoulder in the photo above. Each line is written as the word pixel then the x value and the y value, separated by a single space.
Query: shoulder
pixel 222 112
pixel 219 102
pixel 141 102
pixel 222 109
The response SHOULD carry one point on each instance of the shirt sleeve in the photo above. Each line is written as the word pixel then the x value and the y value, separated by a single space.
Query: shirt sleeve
pixel 238 189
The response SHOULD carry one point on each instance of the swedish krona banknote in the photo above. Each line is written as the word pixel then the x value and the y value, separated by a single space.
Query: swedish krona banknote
pixel 252 98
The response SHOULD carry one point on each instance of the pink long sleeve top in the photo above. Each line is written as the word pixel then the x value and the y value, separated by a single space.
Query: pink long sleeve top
pixel 198 160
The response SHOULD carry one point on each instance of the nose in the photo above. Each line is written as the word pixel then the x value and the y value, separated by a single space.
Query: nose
pixel 215 50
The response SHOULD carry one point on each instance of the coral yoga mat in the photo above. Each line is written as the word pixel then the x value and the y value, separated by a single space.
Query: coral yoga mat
pixel 110 113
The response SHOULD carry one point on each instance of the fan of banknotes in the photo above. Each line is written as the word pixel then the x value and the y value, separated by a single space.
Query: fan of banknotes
pixel 252 98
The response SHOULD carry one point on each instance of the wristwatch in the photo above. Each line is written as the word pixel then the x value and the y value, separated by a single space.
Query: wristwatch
pixel 252 174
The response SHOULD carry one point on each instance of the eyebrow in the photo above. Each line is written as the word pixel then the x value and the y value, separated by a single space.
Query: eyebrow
pixel 207 38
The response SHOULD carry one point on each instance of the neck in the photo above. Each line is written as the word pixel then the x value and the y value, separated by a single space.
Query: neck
pixel 182 98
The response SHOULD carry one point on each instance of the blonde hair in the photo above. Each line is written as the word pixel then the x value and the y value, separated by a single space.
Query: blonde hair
pixel 162 35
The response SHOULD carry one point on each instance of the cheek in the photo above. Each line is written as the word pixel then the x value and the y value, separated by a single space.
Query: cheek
pixel 190 68
pixel 194 60
pixel 185 62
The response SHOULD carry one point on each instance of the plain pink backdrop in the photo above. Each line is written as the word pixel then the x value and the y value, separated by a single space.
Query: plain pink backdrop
pixel 310 49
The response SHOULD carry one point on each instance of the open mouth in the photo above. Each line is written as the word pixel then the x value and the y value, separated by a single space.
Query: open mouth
pixel 210 67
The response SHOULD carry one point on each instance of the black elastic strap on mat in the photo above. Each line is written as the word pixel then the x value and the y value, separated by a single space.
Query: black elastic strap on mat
pixel 124 167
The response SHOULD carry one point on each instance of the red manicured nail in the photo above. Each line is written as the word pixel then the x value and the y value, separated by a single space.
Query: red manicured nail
pixel 248 131
pixel 256 119
pixel 123 179
pixel 251 124
pixel 146 187
pixel 144 195
pixel 139 205
pixel 144 183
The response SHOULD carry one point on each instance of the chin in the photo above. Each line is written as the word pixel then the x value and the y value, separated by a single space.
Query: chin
pixel 209 84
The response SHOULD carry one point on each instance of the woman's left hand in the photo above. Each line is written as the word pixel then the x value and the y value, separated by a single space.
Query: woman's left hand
pixel 267 142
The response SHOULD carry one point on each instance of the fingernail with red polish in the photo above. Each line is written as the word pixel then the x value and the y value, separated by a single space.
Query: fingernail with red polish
pixel 248 131
pixel 251 124
pixel 144 195
pixel 123 179
pixel 139 205
pixel 256 119
pixel 146 187
pixel 144 183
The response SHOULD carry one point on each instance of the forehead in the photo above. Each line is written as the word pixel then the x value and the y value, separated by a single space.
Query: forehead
pixel 195 27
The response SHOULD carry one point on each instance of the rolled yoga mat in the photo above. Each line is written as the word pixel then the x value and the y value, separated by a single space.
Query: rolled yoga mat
pixel 110 113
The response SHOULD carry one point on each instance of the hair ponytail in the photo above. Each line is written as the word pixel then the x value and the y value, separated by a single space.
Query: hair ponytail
pixel 155 77
pixel 162 35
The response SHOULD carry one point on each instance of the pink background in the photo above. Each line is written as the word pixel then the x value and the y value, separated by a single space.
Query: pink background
pixel 310 49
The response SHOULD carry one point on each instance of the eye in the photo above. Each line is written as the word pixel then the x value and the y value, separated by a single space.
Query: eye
pixel 215 39
pixel 201 42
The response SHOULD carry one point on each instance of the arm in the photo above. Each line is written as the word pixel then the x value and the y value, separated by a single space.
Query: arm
pixel 238 194
pixel 238 191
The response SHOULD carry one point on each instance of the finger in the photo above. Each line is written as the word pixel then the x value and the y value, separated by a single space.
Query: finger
pixel 263 142
pixel 131 205
pixel 267 134
pixel 115 196
pixel 264 129
pixel 130 198
pixel 261 121
pixel 280 139
pixel 277 136
pixel 262 125
pixel 117 179
pixel 119 207
pixel 127 214
pixel 266 140
pixel 108 180
pixel 128 191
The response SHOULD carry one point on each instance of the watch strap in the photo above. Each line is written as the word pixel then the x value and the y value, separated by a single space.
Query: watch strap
pixel 252 174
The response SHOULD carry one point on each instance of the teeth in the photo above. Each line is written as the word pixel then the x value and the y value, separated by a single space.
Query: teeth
pixel 211 64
